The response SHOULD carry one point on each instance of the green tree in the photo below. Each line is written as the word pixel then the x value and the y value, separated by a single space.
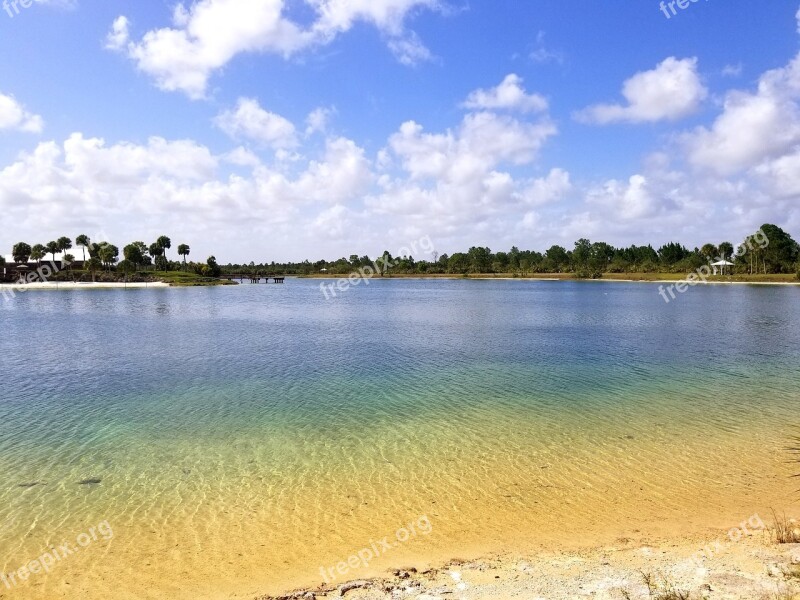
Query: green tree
pixel 184 250
pixel 127 266
pixel 107 253
pixel 779 251
pixel 21 252
pixel 164 243
pixel 52 249
pixel 93 265
pixel 155 250
pixel 558 258
pixel 709 251
pixel 64 244
pixel 726 250
pixel 480 259
pixel 134 253
pixel 83 242
pixel 213 267
pixel 38 252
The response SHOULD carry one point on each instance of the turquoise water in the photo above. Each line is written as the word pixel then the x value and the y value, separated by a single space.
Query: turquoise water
pixel 240 437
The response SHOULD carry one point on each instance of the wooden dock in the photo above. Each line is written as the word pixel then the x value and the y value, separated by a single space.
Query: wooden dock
pixel 242 277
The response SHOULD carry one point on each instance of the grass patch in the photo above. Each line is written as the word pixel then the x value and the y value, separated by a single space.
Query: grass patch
pixel 663 590
pixel 784 530
pixel 186 279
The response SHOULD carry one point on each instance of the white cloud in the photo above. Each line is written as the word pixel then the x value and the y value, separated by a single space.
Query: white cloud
pixel 317 120
pixel 251 122
pixel 343 175
pixel 542 54
pixel 119 35
pixel 210 33
pixel 547 189
pixel 509 95
pixel 671 91
pixel 732 70
pixel 753 126
pixel 15 116
pixel 629 200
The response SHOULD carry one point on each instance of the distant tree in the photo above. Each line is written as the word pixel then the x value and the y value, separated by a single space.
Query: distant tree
pixel 781 252
pixel 184 250
pixel 164 243
pixel 480 259
pixel 93 265
pixel 67 261
pixel 580 257
pixel 127 266
pixel 107 253
pixel 38 252
pixel 726 250
pixel 64 244
pixel 213 267
pixel 21 252
pixel 134 253
pixel 83 242
pixel 709 251
pixel 2 262
pixel 155 250
pixel 558 258
pixel 52 249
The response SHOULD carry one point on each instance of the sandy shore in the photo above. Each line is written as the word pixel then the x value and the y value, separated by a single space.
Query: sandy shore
pixel 752 568
pixel 69 285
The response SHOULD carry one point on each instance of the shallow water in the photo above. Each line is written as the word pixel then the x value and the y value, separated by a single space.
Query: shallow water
pixel 245 437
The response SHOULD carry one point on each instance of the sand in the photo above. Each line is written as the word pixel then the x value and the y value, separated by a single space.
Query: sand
pixel 751 568
pixel 7 288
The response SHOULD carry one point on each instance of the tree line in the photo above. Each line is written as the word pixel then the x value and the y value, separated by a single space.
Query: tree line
pixel 769 250
pixel 104 256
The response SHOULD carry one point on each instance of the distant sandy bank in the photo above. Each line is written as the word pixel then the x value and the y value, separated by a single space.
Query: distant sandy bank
pixel 69 285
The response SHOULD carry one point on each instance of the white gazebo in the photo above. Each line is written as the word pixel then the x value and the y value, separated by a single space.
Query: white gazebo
pixel 721 264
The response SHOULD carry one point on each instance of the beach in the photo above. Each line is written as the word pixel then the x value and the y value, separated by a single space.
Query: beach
pixel 709 566
pixel 7 288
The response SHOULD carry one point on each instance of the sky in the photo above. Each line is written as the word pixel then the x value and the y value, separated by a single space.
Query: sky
pixel 305 129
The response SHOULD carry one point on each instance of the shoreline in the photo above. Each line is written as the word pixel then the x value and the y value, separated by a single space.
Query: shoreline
pixel 752 567
pixel 571 279
pixel 74 285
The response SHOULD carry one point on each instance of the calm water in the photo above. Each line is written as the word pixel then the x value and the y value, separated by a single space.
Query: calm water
pixel 243 437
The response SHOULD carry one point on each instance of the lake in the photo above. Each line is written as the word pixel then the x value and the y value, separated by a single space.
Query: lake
pixel 243 440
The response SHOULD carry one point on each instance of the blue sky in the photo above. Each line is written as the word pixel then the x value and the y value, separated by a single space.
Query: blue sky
pixel 274 130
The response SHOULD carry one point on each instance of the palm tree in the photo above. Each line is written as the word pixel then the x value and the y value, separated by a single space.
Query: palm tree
pixel 52 248
pixel 107 253
pixel 155 250
pixel 165 243
pixel 38 252
pixel 94 265
pixel 183 250
pixel 83 241
pixel 64 244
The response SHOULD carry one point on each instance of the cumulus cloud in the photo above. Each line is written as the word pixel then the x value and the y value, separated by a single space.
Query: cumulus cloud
pixel 754 125
pixel 118 37
pixel 671 91
pixel 15 116
pixel 318 119
pixel 509 95
pixel 251 122
pixel 210 33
